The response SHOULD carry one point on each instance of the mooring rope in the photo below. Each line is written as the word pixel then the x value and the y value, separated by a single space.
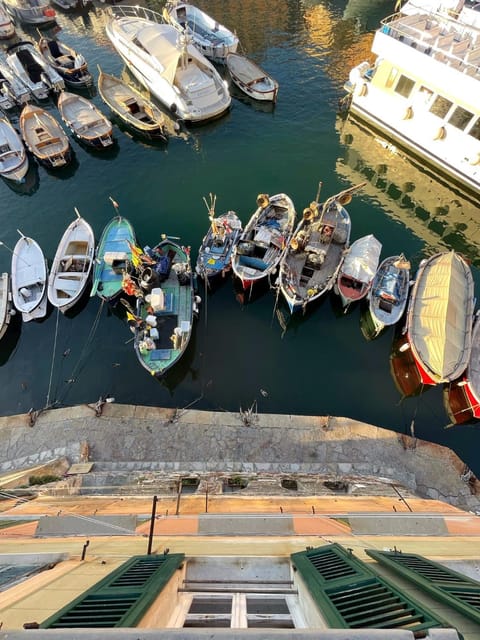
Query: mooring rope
pixel 53 358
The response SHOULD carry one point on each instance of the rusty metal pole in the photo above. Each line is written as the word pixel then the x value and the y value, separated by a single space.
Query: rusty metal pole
pixel 152 525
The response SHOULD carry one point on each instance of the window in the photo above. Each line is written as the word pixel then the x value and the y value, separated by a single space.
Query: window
pixel 475 129
pixel 404 86
pixel 440 107
pixel 460 118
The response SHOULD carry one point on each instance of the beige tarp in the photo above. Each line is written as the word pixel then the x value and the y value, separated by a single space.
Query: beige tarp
pixel 440 315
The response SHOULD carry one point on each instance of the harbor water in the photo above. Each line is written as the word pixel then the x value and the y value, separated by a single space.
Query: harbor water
pixel 245 352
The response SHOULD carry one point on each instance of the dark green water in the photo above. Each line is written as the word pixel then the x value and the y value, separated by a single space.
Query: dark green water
pixel 239 354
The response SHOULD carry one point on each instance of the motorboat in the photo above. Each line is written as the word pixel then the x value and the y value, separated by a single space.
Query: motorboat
pixel 310 266
pixel 215 252
pixel 33 71
pixel 29 279
pixel 419 91
pixel 438 329
pixel 358 269
pixel 210 37
pixel 13 155
pixel 167 63
pixel 388 295
pixel 73 6
pixel 251 79
pixel 6 304
pixel 7 28
pixel 68 63
pixel 264 239
pixel 131 107
pixel 13 93
pixel 162 321
pixel 44 137
pixel 38 13
pixel 85 120
pixel 72 265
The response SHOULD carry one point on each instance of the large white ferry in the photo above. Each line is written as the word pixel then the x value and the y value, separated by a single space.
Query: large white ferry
pixel 423 89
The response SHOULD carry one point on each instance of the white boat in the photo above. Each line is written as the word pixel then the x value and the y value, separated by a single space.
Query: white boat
pixel 44 137
pixel 251 79
pixel 13 155
pixel 358 269
pixel 7 28
pixel 422 91
pixel 464 11
pixel 211 38
pixel 68 63
pixel 85 120
pixel 33 12
pixel 29 279
pixel 33 71
pixel 72 265
pixel 439 322
pixel 168 64
pixel 388 296
pixel 12 92
pixel 6 306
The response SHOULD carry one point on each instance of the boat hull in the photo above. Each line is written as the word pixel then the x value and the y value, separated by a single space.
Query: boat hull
pixel 29 279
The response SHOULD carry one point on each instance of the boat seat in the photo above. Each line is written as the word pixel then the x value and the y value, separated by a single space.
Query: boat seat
pixel 67 284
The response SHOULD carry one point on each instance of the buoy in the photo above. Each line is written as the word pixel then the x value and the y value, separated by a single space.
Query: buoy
pixel 307 214
pixel 363 90
pixel 263 200
pixel 408 115
pixel 345 199
pixel 441 133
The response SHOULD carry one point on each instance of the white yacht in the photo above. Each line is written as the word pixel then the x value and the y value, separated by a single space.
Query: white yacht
pixel 423 90
pixel 167 64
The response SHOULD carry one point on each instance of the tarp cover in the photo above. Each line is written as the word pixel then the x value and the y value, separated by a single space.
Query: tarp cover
pixel 440 315
pixel 361 261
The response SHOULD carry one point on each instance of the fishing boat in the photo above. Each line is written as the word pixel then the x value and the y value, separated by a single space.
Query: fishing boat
pixel 67 62
pixel 264 240
pixel 72 265
pixel 38 13
pixel 44 137
pixel 29 279
pixel 163 318
pixel 85 120
pixel 13 93
pixel 6 305
pixel 73 6
pixel 314 255
pixel 168 64
pixel 131 107
pixel 388 296
pixel 462 396
pixel 7 28
pixel 215 252
pixel 13 156
pixel 211 38
pixel 33 71
pixel 358 269
pixel 439 318
pixel 113 258
pixel 419 91
pixel 251 79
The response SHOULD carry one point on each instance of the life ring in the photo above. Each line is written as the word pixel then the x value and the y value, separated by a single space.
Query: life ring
pixel 363 90
pixel 345 199
pixel 408 115
pixel 263 200
pixel 307 214
pixel 441 133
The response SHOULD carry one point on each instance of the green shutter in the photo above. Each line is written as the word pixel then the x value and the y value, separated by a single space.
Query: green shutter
pixel 458 591
pixel 351 596
pixel 121 598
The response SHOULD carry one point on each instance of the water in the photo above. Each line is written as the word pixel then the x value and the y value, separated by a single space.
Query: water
pixel 240 356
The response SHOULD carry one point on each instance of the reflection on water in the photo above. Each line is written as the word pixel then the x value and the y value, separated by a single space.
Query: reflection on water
pixel 440 216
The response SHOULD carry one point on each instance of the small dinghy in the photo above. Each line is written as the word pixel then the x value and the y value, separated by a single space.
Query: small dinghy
pixel 13 155
pixel 67 62
pixel 33 71
pixel 358 270
pixel 29 279
pixel 131 107
pixel 6 306
pixel 7 28
pixel 215 253
pixel 113 258
pixel 212 39
pixel 85 120
pixel 44 137
pixel 251 79
pixel 388 296
pixel 73 6
pixel 37 13
pixel 72 265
